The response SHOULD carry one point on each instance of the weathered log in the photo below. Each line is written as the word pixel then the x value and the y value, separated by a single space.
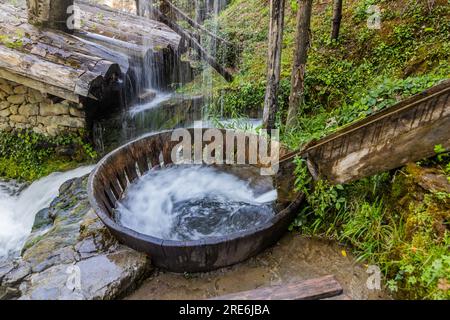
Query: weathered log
pixel 119 31
pixel 115 172
pixel 53 62
pixel 337 18
pixel 124 32
pixel 98 64
pixel 313 289
pixel 59 46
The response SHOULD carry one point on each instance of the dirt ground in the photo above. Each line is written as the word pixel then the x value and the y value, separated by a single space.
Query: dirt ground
pixel 294 258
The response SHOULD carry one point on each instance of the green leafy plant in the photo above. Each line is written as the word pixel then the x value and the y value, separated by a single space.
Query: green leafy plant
pixel 441 152
pixel 302 176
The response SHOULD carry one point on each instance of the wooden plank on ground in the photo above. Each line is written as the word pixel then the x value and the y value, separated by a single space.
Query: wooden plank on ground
pixel 312 289
pixel 339 297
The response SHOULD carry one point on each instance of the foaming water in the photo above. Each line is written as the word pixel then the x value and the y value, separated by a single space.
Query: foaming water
pixel 195 202
pixel 18 209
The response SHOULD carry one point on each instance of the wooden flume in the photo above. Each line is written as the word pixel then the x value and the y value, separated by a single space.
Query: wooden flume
pixel 389 139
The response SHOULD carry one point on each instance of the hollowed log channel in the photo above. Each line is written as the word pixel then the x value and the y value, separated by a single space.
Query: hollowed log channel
pixel 116 171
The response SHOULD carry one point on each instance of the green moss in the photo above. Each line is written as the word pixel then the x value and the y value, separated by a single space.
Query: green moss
pixel 31 243
pixel 25 155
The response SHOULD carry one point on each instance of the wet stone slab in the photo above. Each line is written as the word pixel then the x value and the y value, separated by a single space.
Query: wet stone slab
pixel 73 257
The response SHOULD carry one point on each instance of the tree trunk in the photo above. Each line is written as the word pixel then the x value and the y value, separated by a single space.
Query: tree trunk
pixel 337 18
pixel 303 38
pixel 54 14
pixel 274 62
pixel 200 11
pixel 138 7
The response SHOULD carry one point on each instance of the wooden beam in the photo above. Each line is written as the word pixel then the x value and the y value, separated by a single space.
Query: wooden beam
pixel 313 289
pixel 39 86
pixel 123 31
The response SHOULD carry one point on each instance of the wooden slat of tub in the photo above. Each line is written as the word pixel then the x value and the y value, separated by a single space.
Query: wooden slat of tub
pixel 100 194
pixel 115 187
pixel 110 196
pixel 312 289
pixel 122 178
pixel 142 164
pixel 154 147
pixel 130 170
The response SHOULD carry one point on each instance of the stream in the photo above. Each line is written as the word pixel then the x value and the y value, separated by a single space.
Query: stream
pixel 19 206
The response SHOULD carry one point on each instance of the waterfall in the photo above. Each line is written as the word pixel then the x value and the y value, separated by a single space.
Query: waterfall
pixel 18 209
pixel 154 79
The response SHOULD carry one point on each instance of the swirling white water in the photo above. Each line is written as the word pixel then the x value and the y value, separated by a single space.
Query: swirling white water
pixel 195 202
pixel 18 209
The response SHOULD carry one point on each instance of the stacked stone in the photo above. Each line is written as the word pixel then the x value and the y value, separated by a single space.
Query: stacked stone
pixel 25 108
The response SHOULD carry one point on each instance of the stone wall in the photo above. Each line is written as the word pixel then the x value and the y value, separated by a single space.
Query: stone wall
pixel 25 108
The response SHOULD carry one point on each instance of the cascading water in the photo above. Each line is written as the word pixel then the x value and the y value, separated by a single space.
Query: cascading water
pixel 19 208
pixel 155 106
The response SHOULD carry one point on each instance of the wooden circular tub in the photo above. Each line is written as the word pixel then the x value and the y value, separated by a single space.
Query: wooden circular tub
pixel 121 167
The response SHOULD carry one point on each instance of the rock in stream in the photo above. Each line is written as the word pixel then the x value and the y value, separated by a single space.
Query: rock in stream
pixel 71 255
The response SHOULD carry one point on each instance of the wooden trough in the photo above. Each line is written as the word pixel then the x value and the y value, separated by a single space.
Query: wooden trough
pixel 406 132
pixel 116 171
